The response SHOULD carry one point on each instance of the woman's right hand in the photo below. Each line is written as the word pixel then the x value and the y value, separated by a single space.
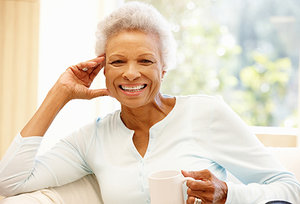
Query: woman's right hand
pixel 72 84
pixel 77 79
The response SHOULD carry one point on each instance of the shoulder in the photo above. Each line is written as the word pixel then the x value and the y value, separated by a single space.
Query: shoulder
pixel 208 106
pixel 198 107
pixel 109 121
pixel 90 129
pixel 198 98
pixel 88 133
pixel 201 101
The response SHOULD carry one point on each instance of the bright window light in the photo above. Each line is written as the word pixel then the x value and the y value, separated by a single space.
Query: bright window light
pixel 67 37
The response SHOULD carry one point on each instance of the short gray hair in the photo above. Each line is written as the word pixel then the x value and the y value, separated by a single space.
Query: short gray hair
pixel 138 16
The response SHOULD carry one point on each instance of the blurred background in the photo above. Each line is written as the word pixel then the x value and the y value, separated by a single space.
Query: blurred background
pixel 244 51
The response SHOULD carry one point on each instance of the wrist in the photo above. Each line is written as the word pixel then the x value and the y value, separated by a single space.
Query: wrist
pixel 61 95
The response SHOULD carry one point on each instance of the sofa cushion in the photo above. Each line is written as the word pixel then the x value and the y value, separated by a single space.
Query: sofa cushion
pixel 289 157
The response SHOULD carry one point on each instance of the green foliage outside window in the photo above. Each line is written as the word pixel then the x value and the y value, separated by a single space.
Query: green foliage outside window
pixel 232 48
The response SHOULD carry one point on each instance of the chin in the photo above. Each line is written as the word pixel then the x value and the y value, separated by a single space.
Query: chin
pixel 132 103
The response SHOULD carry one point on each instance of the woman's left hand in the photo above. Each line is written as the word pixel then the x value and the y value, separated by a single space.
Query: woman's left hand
pixel 206 186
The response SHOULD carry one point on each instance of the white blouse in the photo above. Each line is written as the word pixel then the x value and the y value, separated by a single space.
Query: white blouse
pixel 201 132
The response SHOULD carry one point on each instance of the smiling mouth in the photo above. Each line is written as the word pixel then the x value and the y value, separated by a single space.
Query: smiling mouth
pixel 133 88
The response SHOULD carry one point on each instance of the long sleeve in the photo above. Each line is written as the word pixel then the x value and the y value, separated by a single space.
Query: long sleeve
pixel 22 171
pixel 240 152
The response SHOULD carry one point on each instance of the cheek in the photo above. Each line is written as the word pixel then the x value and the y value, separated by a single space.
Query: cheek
pixel 108 72
pixel 111 75
pixel 108 77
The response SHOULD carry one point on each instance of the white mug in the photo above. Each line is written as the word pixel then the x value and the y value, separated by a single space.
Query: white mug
pixel 166 187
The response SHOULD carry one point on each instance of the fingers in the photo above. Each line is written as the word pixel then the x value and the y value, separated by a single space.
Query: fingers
pixel 93 93
pixel 97 58
pixel 79 77
pixel 88 70
pixel 83 68
pixel 191 200
pixel 95 72
pixel 90 65
pixel 198 175
pixel 206 186
pixel 199 185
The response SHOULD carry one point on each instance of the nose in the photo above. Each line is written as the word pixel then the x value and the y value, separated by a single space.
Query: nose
pixel 131 72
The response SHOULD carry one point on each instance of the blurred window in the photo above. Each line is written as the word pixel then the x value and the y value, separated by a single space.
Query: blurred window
pixel 246 51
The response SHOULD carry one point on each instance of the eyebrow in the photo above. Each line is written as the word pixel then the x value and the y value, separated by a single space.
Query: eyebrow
pixel 116 55
pixel 141 55
pixel 152 54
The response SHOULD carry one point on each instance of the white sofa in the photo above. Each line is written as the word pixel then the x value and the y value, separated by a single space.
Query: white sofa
pixel 86 190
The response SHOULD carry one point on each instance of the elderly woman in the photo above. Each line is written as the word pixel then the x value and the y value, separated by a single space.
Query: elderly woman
pixel 198 134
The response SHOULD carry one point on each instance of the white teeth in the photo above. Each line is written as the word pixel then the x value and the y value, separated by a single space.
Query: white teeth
pixel 133 88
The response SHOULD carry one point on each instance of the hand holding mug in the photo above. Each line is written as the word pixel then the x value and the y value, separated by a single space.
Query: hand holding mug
pixel 206 187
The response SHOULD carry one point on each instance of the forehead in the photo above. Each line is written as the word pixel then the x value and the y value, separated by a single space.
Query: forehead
pixel 133 42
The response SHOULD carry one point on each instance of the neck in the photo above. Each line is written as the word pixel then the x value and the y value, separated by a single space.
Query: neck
pixel 146 116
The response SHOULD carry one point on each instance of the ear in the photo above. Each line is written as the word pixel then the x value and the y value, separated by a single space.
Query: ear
pixel 104 63
pixel 104 67
pixel 163 74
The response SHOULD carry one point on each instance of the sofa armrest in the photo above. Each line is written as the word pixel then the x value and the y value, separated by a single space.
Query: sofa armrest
pixel 84 190
pixel 289 157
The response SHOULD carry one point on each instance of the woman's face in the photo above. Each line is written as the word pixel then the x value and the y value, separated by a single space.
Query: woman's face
pixel 133 68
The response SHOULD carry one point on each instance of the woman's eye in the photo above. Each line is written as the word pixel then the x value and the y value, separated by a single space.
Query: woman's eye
pixel 117 63
pixel 145 61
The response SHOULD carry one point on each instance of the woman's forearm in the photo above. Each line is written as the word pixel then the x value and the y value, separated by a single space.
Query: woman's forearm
pixel 74 83
pixel 42 119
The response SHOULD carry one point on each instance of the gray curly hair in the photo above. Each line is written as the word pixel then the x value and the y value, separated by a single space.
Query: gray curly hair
pixel 138 16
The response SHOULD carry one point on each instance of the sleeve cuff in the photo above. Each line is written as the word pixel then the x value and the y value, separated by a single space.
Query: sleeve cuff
pixel 229 192
pixel 35 139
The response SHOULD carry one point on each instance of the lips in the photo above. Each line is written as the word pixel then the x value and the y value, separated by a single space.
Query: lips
pixel 133 88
